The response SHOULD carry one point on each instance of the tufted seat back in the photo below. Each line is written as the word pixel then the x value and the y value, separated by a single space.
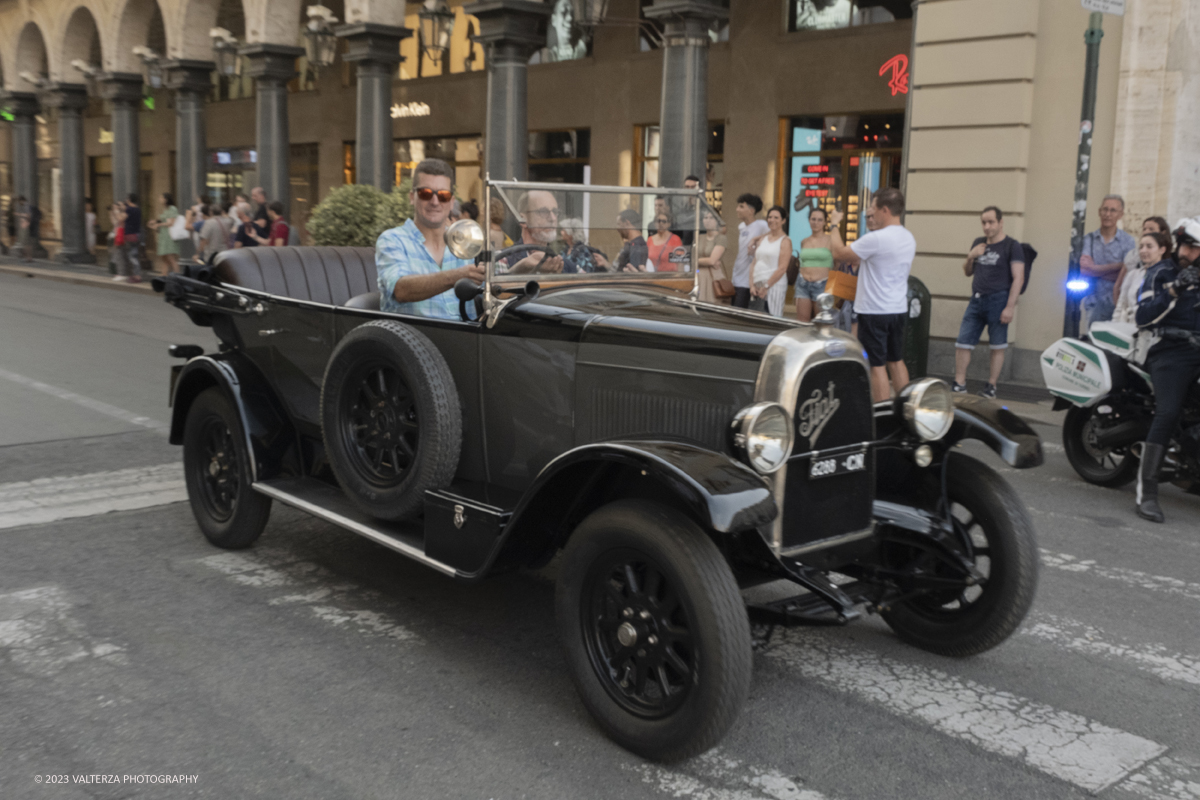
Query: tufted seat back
pixel 321 274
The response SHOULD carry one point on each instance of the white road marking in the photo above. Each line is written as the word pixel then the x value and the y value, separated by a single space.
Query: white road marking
pixel 87 402
pixel 1130 577
pixel 739 781
pixel 1083 638
pixel 1051 447
pixel 1169 778
pixel 49 499
pixel 39 635
pixel 329 599
pixel 1059 743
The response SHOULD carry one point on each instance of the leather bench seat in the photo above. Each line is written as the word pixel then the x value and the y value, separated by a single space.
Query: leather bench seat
pixel 330 275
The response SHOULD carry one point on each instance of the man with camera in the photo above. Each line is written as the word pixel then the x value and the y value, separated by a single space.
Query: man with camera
pixel 1169 307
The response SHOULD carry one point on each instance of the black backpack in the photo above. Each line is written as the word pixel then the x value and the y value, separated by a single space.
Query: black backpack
pixel 1030 257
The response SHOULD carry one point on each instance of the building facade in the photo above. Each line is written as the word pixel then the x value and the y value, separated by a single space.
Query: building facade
pixel 806 100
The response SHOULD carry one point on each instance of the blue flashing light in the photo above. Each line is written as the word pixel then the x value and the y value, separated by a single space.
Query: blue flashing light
pixel 1078 285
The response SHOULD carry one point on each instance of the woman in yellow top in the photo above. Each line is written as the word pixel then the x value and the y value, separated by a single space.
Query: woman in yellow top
pixel 816 258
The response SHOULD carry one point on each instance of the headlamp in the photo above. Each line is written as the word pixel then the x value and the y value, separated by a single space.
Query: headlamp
pixel 927 408
pixel 764 434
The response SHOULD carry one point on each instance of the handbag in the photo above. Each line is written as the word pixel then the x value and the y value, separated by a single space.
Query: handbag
pixel 179 230
pixel 723 287
pixel 841 284
pixel 119 236
pixel 793 271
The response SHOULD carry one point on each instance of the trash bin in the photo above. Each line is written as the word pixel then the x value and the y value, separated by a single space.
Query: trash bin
pixel 916 332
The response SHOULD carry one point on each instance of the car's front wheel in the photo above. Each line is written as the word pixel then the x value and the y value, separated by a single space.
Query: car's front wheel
pixel 216 469
pixel 654 628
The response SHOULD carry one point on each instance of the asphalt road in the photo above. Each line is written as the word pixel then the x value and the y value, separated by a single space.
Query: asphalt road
pixel 318 665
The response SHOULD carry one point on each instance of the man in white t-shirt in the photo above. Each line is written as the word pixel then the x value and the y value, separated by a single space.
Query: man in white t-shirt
pixel 750 229
pixel 884 257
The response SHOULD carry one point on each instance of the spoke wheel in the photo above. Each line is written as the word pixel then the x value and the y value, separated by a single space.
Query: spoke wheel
pixel 217 470
pixel 1095 464
pixel 654 629
pixel 995 533
pixel 638 635
pixel 381 427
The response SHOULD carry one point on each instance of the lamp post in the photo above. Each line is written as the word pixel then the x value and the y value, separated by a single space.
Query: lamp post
pixel 320 43
pixel 436 28
pixel 588 14
pixel 225 52
pixel 152 68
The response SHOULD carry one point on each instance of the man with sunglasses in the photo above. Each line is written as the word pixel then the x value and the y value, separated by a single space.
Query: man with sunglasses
pixel 417 272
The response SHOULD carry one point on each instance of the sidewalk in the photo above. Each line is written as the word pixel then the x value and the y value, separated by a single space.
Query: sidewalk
pixel 81 274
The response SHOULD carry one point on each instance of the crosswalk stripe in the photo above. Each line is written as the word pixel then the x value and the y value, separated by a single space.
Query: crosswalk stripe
pixel 39 634
pixel 87 402
pixel 737 781
pixel 1082 638
pixel 1131 577
pixel 1078 750
pixel 51 499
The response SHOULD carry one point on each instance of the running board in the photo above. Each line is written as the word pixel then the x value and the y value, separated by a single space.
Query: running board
pixel 329 503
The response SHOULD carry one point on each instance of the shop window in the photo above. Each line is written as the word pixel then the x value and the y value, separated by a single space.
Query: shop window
pixel 822 15
pixel 565 41
pixel 650 31
pixel 559 156
pixel 646 156
pixel 305 190
pixel 227 172
pixel 460 152
pixel 348 171
pixel 838 162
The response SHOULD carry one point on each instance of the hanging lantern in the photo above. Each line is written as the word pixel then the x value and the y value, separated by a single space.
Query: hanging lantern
pixel 225 52
pixel 320 43
pixel 589 13
pixel 152 68
pixel 437 25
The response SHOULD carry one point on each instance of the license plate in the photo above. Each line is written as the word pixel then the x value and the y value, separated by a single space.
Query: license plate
pixel 837 465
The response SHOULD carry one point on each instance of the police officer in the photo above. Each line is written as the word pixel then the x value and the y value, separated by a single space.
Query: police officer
pixel 1169 305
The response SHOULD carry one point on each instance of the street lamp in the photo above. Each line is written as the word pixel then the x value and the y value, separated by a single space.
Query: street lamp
pixel 225 52
pixel 437 24
pixel 90 72
pixel 589 13
pixel 320 43
pixel 151 65
pixel 36 81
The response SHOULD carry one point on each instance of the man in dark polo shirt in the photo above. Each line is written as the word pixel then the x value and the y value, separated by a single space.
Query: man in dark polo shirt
pixel 262 220
pixel 997 265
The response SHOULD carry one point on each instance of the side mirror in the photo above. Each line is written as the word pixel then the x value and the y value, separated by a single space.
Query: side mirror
pixel 465 239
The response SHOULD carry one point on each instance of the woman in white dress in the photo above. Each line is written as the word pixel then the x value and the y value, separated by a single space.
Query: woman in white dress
pixel 771 257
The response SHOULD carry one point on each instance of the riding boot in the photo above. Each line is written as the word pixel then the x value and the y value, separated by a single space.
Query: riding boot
pixel 1147 484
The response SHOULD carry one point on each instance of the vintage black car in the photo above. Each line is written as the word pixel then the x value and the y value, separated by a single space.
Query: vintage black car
pixel 675 452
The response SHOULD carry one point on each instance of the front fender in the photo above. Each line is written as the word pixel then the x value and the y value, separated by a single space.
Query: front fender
pixel 722 495
pixel 268 434
pixel 998 428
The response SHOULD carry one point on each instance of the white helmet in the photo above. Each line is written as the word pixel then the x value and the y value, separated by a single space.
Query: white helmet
pixel 1187 231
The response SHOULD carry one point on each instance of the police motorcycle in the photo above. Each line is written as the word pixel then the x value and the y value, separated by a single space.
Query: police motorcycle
pixel 1104 381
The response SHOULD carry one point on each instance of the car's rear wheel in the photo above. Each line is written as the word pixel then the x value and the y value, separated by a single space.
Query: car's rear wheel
pixel 390 418
pixel 996 534
pixel 216 469
pixel 654 628
pixel 1095 464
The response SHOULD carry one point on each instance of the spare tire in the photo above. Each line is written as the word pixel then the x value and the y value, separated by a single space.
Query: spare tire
pixel 390 418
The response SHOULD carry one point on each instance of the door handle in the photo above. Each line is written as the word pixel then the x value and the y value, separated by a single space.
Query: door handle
pixel 271 331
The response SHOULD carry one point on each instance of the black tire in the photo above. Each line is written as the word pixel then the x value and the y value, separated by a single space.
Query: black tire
pixel 965 623
pixel 390 418
pixel 216 469
pixel 1094 464
pixel 686 612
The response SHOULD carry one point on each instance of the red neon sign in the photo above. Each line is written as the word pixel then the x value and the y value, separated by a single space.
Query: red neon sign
pixel 898 65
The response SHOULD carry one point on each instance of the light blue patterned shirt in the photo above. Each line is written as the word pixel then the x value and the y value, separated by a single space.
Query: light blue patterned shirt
pixel 400 252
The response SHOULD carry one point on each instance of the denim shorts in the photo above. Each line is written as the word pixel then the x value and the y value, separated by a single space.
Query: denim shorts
pixel 809 290
pixel 984 310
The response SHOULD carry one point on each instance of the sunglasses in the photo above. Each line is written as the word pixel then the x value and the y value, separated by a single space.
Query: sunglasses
pixel 425 193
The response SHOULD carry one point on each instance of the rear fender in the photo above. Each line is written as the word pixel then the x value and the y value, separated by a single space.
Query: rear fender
pixel 720 494
pixel 998 428
pixel 268 434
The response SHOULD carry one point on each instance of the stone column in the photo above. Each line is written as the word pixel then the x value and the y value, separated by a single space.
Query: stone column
pixel 511 30
pixel 191 81
pixel 24 107
pixel 683 120
pixel 71 99
pixel 272 66
pixel 124 91
pixel 376 49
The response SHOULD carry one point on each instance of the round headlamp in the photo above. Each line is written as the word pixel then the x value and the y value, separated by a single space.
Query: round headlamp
pixel 927 408
pixel 763 432
pixel 465 238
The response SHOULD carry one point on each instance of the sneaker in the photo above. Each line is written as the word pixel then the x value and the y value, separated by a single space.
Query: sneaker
pixel 988 391
pixel 958 388
pixel 138 279
pixel 118 277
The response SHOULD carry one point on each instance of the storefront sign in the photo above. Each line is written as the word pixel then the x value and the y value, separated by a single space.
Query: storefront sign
pixel 410 110
pixel 898 65
pixel 106 137
pixel 814 177
pixel 1116 7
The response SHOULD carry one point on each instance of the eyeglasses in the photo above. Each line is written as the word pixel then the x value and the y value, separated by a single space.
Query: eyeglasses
pixel 426 194
pixel 662 221
pixel 544 213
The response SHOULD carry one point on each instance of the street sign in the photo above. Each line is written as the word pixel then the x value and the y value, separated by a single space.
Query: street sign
pixel 1116 7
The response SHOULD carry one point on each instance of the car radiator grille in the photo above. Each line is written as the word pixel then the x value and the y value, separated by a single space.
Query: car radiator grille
pixel 833 411
pixel 620 414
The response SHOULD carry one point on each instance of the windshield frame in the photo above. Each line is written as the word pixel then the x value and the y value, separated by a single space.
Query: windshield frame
pixel 508 190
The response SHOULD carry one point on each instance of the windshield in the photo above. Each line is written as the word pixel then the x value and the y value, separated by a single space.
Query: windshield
pixel 576 232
